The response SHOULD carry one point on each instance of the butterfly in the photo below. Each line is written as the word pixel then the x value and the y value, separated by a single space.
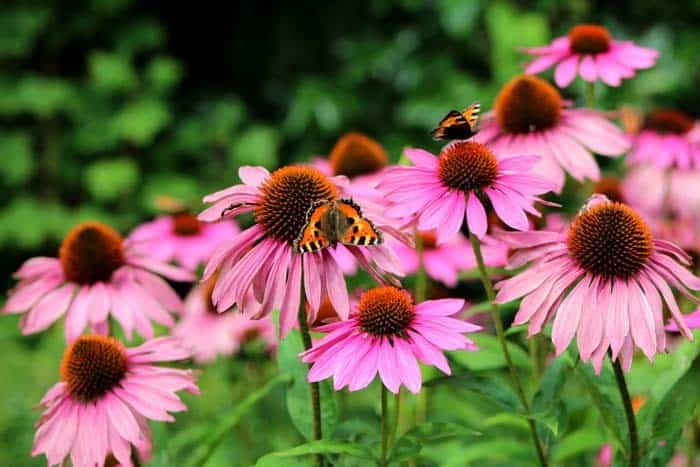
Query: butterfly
pixel 332 222
pixel 458 125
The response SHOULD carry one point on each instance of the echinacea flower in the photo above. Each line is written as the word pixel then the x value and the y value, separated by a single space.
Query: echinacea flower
pixel 105 398
pixel 692 320
pixel 602 281
pixel 97 275
pixel 356 156
pixel 530 117
pixel 182 238
pixel 669 138
pixel 444 262
pixel 388 334
pixel 262 257
pixel 589 51
pixel 443 192
pixel 663 193
pixel 208 333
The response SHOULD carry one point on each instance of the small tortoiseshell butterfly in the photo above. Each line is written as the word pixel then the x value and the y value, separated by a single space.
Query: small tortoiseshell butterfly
pixel 332 222
pixel 458 125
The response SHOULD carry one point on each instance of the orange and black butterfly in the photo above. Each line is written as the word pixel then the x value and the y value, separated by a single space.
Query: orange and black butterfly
pixel 458 125
pixel 331 222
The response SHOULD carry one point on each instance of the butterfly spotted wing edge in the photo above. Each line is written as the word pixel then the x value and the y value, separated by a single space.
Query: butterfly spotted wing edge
pixel 356 207
pixel 296 247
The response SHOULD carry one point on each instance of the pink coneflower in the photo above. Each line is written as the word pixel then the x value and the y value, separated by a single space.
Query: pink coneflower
pixel 105 398
pixel 530 117
pixel 602 280
pixel 692 320
pixel 441 192
pixel 182 238
pixel 208 333
pixel 669 138
pixel 96 275
pixel 356 156
pixel 444 262
pixel 262 256
pixel 590 51
pixel 388 334
pixel 659 193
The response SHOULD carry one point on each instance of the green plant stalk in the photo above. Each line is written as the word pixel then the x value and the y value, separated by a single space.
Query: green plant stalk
pixel 313 387
pixel 385 428
pixel 420 294
pixel 395 420
pixel 629 413
pixel 498 325
pixel 590 95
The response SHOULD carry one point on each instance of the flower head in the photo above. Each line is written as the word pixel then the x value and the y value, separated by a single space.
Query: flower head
pixel 389 334
pixel 356 156
pixel 208 333
pixel 262 258
pixel 441 192
pixel 669 138
pixel 105 398
pixel 530 117
pixel 182 238
pixel 602 280
pixel 443 262
pixel 97 274
pixel 590 50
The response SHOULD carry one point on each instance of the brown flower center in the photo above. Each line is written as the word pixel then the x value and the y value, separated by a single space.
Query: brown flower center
pixel 91 252
pixel 385 311
pixel 589 39
pixel 527 103
pixel 286 198
pixel 326 311
pixel 610 187
pixel 467 166
pixel 428 239
pixel 92 365
pixel 357 154
pixel 186 224
pixel 669 121
pixel 610 240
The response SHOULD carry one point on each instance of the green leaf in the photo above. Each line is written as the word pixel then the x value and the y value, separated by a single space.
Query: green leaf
pixel 108 180
pixel 510 29
pixel 490 354
pixel 489 387
pixel 169 184
pixel 603 392
pixel 37 95
pixel 494 449
pixel 411 443
pixel 458 17
pixel 140 121
pixel 110 72
pixel 19 27
pixel 281 458
pixel 163 73
pixel 206 447
pixel 667 419
pixel 16 150
pixel 298 393
pixel 547 407
pixel 577 442
pixel 258 145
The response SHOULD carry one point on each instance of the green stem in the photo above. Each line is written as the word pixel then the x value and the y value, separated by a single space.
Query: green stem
pixel 421 275
pixel 590 95
pixel 385 428
pixel 313 387
pixel 395 420
pixel 629 412
pixel 498 325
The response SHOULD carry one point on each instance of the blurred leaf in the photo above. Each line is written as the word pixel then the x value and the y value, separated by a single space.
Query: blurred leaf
pixel 583 440
pixel 660 435
pixel 163 73
pixel 258 145
pixel 409 445
pixel 19 27
pixel 503 449
pixel 140 121
pixel 107 180
pixel 139 36
pixel 489 387
pixel 510 29
pixel 547 405
pixel 458 17
pixel 490 354
pixel 299 394
pixel 173 185
pixel 281 458
pixel 111 72
pixel 36 95
pixel 17 155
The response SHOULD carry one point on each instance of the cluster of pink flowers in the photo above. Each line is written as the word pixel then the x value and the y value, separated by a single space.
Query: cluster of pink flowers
pixel 605 277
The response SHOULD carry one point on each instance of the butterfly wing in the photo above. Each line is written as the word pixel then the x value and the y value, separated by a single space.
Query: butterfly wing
pixel 357 230
pixel 471 115
pixel 451 120
pixel 312 236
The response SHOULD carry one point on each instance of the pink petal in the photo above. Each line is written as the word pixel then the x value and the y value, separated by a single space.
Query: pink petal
pixel 565 72
pixel 476 216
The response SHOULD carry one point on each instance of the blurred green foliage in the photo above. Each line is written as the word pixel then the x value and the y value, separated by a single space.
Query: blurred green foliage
pixel 106 105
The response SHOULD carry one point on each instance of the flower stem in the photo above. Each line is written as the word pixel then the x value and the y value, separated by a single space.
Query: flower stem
pixel 314 387
pixel 385 428
pixel 498 325
pixel 629 412
pixel 421 275
pixel 395 420
pixel 590 95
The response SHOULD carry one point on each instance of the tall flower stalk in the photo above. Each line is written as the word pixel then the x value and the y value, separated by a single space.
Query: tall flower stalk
pixel 498 325
pixel 635 456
